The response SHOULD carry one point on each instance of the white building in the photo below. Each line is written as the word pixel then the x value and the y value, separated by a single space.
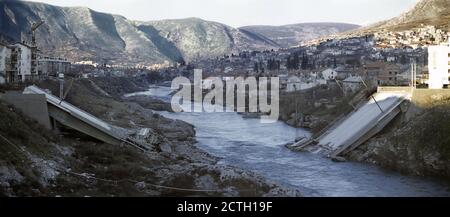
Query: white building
pixel 352 84
pixel 5 62
pixel 329 74
pixel 228 69
pixel 49 66
pixel 295 83
pixel 21 62
pixel 438 66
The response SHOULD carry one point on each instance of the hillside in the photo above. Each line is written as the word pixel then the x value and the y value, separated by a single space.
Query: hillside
pixel 197 38
pixel 83 34
pixel 293 35
pixel 428 12
pixel 425 12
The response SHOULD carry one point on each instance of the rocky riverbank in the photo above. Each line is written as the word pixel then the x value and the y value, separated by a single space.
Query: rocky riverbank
pixel 40 163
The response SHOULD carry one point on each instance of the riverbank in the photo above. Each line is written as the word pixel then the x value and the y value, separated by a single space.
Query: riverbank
pixel 71 164
pixel 314 109
pixel 249 144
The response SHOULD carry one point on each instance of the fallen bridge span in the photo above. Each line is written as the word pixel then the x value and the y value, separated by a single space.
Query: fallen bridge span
pixel 73 117
pixel 353 129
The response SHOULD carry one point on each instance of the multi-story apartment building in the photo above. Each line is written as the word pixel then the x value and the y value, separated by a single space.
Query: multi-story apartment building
pixel 5 62
pixel 50 66
pixel 439 66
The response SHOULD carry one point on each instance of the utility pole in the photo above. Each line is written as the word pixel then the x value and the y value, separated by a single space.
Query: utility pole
pixel 296 95
pixel 61 86
pixel 367 87
pixel 413 73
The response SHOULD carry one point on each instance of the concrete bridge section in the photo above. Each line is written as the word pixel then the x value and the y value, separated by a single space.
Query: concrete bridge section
pixel 352 130
pixel 71 116
pixel 32 105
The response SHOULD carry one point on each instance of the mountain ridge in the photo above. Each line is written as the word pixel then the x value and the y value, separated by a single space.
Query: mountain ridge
pixel 293 34
pixel 80 33
pixel 424 12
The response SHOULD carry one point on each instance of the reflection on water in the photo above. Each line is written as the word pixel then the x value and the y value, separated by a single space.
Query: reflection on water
pixel 251 145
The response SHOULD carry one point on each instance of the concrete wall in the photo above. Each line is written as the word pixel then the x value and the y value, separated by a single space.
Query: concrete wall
pixel 425 98
pixel 422 98
pixel 394 88
pixel 32 105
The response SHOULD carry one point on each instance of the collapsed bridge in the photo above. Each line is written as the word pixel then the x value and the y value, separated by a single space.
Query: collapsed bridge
pixel 352 130
pixel 52 111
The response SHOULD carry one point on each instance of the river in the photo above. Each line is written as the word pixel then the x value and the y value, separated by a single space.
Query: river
pixel 251 145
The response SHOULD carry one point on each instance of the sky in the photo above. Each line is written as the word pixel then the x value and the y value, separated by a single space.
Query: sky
pixel 238 13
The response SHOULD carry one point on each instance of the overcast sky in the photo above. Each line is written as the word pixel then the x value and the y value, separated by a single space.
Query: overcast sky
pixel 250 12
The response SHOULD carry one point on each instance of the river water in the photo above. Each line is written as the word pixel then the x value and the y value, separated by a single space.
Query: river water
pixel 251 145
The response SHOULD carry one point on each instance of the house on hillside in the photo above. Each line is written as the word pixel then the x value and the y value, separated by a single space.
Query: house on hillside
pixel 386 74
pixel 296 83
pixel 352 84
pixel 293 83
pixel 329 74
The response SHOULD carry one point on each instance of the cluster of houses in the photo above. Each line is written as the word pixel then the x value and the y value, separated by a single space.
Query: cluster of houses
pixel 374 74
pixel 350 62
pixel 89 69
pixel 21 62
pixel 426 35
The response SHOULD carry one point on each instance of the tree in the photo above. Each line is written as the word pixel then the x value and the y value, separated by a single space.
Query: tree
pixel 403 59
pixel 304 61
pixel 288 62
pixel 273 64
pixel 255 67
